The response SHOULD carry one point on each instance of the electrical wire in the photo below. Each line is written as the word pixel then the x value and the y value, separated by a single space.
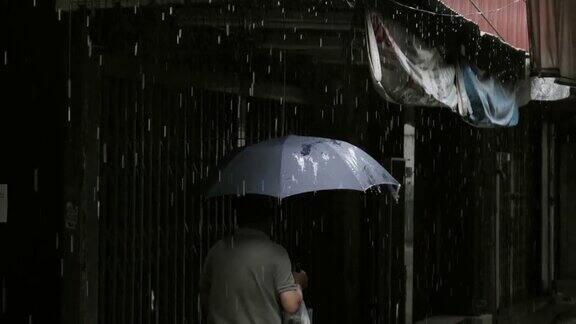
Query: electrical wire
pixel 456 15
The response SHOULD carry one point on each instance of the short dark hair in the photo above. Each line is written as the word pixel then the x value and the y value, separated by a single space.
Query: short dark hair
pixel 253 209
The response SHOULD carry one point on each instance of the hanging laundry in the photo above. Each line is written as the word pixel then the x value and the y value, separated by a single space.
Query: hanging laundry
pixel 408 71
pixel 484 100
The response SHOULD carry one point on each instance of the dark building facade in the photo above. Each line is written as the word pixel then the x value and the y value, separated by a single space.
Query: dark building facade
pixel 116 117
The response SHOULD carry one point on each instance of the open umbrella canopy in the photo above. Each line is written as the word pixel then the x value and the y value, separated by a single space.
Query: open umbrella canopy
pixel 291 165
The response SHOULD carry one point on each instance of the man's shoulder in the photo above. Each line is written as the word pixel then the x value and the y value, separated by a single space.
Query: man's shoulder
pixel 278 250
pixel 278 247
pixel 218 246
pixel 259 242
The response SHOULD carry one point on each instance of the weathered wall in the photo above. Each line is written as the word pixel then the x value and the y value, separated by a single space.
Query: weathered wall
pixel 32 137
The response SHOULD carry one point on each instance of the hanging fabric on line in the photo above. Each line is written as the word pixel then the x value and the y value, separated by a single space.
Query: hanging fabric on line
pixel 484 100
pixel 407 71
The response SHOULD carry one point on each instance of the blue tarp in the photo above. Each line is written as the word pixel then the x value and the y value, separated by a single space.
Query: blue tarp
pixel 489 102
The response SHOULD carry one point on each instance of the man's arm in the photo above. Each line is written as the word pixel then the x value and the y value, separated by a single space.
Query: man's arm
pixel 288 284
pixel 291 299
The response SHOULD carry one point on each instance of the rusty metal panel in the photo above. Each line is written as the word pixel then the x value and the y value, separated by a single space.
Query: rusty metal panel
pixel 507 16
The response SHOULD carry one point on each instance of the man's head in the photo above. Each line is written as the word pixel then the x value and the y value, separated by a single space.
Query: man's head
pixel 255 211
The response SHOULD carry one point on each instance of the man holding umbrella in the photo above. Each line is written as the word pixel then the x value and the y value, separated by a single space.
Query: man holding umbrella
pixel 247 278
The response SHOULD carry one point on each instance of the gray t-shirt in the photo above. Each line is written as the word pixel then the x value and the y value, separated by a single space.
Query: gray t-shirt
pixel 243 276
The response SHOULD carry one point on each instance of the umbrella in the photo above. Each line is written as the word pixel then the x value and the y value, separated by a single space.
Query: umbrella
pixel 292 165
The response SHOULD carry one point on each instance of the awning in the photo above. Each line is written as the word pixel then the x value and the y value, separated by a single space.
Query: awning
pixel 503 18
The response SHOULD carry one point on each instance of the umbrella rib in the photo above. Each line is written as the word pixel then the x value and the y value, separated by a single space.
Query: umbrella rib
pixel 355 174
pixel 343 158
pixel 281 178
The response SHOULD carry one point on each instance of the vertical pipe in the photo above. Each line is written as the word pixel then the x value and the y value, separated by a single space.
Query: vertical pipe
pixel 147 300
pixel 124 209
pixel 409 157
pixel 283 101
pixel 551 205
pixel 141 193
pixel 512 230
pixel 103 195
pixel 544 209
pixel 175 201
pixel 157 138
pixel 167 230
pixel 133 196
pixel 92 89
pixel 397 166
pixel 241 121
pixel 114 206
pixel 184 155
pixel 497 234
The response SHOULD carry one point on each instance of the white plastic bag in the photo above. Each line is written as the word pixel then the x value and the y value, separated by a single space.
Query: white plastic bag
pixel 300 317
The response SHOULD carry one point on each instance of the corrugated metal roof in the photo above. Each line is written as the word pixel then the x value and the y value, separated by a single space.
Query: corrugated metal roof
pixel 508 17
